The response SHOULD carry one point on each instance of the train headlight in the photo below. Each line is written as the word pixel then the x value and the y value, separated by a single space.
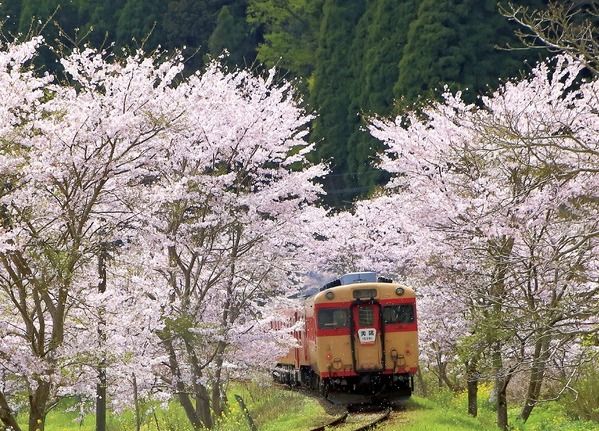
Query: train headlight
pixel 329 295
pixel 399 291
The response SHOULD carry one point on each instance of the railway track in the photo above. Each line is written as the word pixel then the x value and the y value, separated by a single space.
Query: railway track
pixel 363 421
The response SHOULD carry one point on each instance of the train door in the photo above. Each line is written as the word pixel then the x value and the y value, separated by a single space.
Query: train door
pixel 367 336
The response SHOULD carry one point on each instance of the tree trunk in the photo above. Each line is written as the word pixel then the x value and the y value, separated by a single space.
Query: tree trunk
pixel 421 382
pixel 537 374
pixel 101 397
pixel 136 403
pixel 473 397
pixel 226 319
pixel 190 412
pixel 6 415
pixel 443 378
pixel 217 407
pixel 246 413
pixel 500 252
pixel 203 406
pixel 182 394
pixel 472 376
pixel 500 387
pixel 502 420
pixel 439 370
pixel 37 406
pixel 202 397
pixel 101 401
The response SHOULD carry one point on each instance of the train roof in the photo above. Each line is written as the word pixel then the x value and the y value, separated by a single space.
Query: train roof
pixel 363 291
pixel 355 278
pixel 360 285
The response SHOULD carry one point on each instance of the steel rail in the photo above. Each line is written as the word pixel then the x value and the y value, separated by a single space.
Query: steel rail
pixel 375 422
pixel 343 419
pixel 338 421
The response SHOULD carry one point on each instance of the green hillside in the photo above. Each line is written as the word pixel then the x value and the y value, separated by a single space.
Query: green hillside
pixel 352 58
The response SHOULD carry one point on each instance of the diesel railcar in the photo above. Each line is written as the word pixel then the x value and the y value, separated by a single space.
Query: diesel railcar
pixel 359 341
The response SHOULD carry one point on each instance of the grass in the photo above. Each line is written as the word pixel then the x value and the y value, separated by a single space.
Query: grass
pixel 274 409
pixel 271 408
pixel 278 409
pixel 426 415
pixel 64 417
pixel 552 417
pixel 447 412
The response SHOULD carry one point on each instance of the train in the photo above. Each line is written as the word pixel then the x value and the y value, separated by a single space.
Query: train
pixel 358 342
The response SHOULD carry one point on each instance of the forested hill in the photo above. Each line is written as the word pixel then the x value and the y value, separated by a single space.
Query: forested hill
pixel 354 57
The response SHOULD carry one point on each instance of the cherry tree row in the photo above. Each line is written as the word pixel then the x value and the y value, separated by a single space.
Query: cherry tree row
pixel 149 221
pixel 152 224
pixel 493 212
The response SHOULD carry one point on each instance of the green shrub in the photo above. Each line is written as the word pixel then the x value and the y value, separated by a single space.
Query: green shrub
pixel 584 404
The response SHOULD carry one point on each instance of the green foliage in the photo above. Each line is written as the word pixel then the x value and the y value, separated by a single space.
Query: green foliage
pixel 378 47
pixel 11 12
pixel 100 16
pixel 269 407
pixel 550 417
pixel 290 30
pixel 384 29
pixel 584 404
pixel 141 20
pixel 189 24
pixel 455 42
pixel 446 410
pixel 331 96
pixel 66 14
pixel 428 415
pixel 233 34
pixel 355 58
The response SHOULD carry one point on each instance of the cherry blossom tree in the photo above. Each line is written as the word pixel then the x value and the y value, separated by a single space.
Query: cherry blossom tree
pixel 71 157
pixel 568 26
pixel 506 190
pixel 222 227
pixel 205 183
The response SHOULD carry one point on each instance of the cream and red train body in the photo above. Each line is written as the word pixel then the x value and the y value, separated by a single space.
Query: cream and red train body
pixel 359 341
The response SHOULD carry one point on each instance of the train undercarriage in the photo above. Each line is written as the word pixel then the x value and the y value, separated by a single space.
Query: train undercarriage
pixel 367 387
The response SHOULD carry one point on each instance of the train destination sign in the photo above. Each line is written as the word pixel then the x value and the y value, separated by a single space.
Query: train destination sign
pixel 367 335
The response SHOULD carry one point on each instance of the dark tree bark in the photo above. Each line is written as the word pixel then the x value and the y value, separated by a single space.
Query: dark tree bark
pixel 228 317
pixel 37 406
pixel 500 252
pixel 501 382
pixel 101 384
pixel 203 406
pixel 473 397
pixel 442 376
pixel 537 374
pixel 217 405
pixel 472 385
pixel 182 394
pixel 6 415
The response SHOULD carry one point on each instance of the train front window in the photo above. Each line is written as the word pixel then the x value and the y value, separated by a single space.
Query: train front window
pixel 366 315
pixel 332 318
pixel 403 313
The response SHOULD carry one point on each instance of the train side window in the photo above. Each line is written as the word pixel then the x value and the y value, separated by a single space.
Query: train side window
pixel 332 318
pixel 403 313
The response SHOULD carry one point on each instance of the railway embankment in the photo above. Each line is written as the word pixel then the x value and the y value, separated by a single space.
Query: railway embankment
pixel 300 411
pixel 276 408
